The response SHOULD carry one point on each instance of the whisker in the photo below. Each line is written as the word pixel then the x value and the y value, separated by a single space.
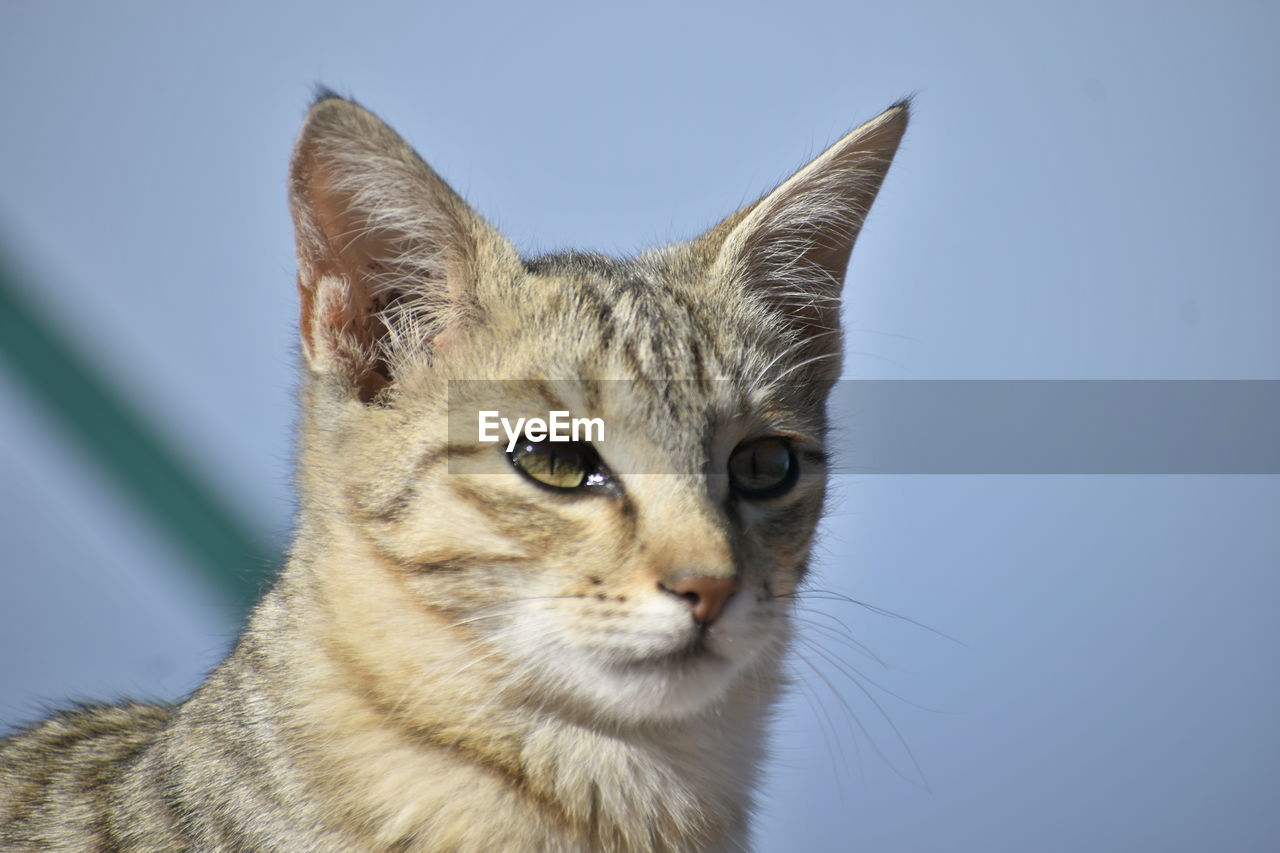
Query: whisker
pixel 902 741
pixel 830 734
pixel 854 674
pixel 844 637
pixel 844 703
pixel 830 595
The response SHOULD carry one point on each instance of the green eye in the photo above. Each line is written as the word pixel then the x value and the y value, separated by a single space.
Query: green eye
pixel 558 465
pixel 763 468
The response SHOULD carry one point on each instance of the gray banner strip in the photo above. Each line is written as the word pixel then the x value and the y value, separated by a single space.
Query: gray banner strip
pixel 1056 427
pixel 924 426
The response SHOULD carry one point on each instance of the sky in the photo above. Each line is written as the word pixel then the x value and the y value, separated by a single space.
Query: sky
pixel 1086 191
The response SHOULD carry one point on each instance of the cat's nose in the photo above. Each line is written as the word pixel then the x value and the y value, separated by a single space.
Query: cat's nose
pixel 707 596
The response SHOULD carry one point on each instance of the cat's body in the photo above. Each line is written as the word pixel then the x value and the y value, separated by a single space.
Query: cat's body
pixel 477 656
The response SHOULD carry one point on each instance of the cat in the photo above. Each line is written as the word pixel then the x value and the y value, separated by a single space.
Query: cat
pixel 472 648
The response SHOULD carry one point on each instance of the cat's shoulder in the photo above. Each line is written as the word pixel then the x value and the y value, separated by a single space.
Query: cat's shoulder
pixel 86 742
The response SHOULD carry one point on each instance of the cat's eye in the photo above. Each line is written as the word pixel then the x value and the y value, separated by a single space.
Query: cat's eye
pixel 763 468
pixel 559 465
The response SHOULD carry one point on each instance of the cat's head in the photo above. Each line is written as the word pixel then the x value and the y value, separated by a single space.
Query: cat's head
pixel 638 577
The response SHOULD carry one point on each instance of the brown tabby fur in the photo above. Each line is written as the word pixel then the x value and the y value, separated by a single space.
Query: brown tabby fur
pixel 462 660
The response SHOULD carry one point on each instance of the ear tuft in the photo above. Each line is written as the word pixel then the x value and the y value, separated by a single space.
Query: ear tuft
pixel 321 92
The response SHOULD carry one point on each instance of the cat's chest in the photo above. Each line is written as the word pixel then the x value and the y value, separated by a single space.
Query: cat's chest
pixel 569 788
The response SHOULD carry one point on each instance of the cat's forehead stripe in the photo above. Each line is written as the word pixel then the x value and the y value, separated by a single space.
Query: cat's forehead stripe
pixel 658 314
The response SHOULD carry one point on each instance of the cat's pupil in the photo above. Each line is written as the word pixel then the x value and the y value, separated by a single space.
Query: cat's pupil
pixel 559 465
pixel 763 468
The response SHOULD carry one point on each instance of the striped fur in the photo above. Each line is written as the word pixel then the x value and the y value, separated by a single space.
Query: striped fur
pixel 453 658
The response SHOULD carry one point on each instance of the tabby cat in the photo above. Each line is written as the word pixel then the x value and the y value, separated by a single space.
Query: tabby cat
pixel 564 647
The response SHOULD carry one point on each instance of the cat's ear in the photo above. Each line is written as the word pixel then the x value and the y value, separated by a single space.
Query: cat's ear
pixel 793 246
pixel 388 254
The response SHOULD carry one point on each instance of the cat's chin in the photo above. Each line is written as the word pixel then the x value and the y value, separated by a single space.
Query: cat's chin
pixel 660 687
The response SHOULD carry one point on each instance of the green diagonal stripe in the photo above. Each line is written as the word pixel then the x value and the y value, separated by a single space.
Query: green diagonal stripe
pixel 129 452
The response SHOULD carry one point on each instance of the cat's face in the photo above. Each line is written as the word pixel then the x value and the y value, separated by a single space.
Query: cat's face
pixel 638 577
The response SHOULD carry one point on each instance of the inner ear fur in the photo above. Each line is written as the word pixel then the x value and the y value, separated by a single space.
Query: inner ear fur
pixel 388 253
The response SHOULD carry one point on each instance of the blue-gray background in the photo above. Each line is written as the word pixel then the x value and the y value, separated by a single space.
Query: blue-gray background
pixel 1088 190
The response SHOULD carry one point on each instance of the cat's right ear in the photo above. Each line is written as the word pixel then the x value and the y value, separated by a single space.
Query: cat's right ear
pixel 388 253
pixel 792 246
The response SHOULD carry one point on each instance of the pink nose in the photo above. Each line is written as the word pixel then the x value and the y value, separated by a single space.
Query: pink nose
pixel 706 596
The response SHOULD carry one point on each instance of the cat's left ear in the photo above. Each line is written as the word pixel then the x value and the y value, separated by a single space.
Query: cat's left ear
pixel 793 246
